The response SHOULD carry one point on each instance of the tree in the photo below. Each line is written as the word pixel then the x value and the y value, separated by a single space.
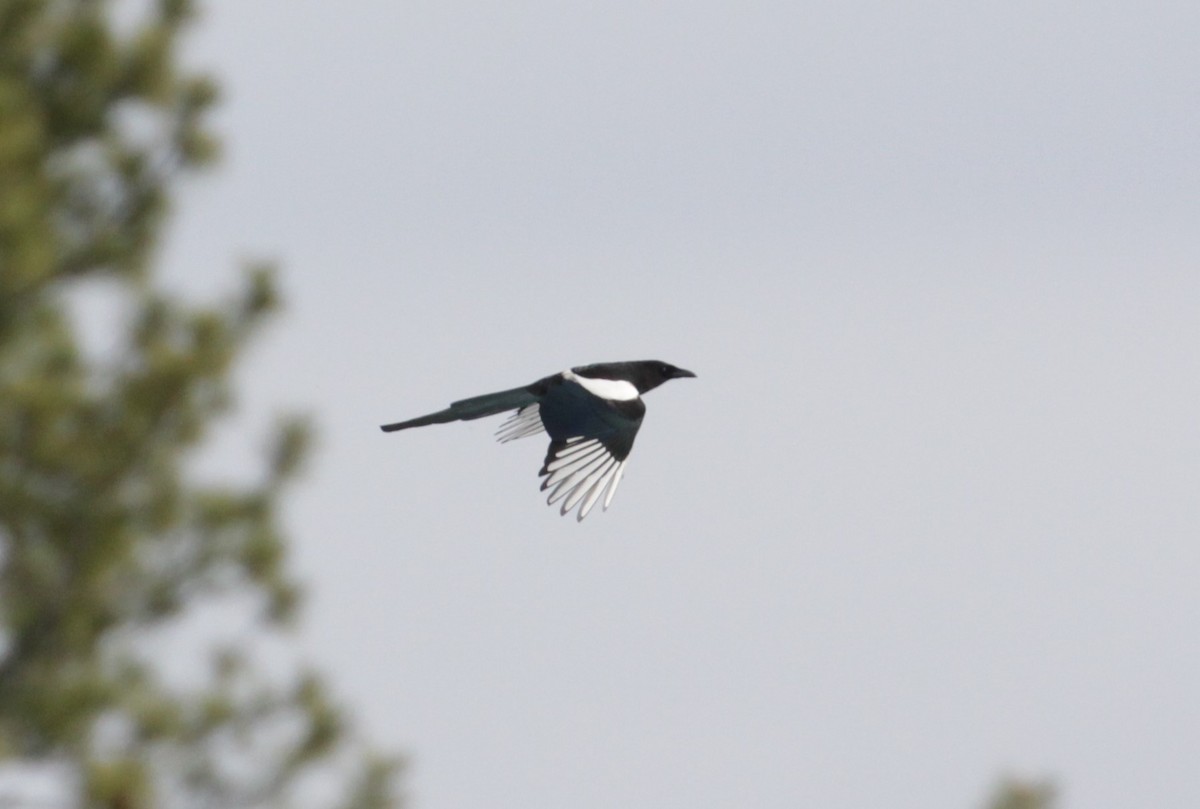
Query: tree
pixel 104 535
pixel 1014 794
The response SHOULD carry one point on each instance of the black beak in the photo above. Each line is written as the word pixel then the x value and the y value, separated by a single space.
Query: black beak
pixel 681 373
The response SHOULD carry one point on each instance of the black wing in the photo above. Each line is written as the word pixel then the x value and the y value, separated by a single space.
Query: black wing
pixel 590 441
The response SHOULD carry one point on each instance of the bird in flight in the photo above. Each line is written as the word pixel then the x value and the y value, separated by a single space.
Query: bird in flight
pixel 592 414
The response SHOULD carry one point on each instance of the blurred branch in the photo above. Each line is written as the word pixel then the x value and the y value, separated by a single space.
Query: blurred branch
pixel 1012 793
pixel 103 535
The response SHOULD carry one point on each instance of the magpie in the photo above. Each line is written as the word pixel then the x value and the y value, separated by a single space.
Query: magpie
pixel 592 414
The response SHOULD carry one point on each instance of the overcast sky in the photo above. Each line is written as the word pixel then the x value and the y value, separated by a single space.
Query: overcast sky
pixel 928 514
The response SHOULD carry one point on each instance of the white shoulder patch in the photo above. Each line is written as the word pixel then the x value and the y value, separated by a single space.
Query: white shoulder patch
pixel 612 389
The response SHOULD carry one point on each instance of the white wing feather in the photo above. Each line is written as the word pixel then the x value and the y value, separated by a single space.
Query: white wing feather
pixel 580 473
pixel 523 422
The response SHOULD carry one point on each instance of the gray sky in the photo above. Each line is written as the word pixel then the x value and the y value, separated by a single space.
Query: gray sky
pixel 928 514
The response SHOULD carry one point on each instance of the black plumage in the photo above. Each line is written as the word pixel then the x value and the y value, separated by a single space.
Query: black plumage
pixel 592 414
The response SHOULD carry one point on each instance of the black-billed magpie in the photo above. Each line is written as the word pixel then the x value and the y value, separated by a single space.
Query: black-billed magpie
pixel 592 414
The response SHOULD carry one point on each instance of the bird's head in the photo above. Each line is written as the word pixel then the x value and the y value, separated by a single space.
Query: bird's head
pixel 649 374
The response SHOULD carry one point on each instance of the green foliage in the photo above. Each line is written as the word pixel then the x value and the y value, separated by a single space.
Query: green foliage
pixel 1014 794
pixel 104 537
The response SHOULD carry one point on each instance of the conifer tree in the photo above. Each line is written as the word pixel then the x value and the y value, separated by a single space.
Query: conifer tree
pixel 105 538
pixel 1016 794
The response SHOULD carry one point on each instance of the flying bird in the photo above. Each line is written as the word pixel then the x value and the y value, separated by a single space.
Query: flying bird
pixel 592 414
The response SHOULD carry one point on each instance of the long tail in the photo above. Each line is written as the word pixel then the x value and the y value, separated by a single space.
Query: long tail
pixel 476 407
